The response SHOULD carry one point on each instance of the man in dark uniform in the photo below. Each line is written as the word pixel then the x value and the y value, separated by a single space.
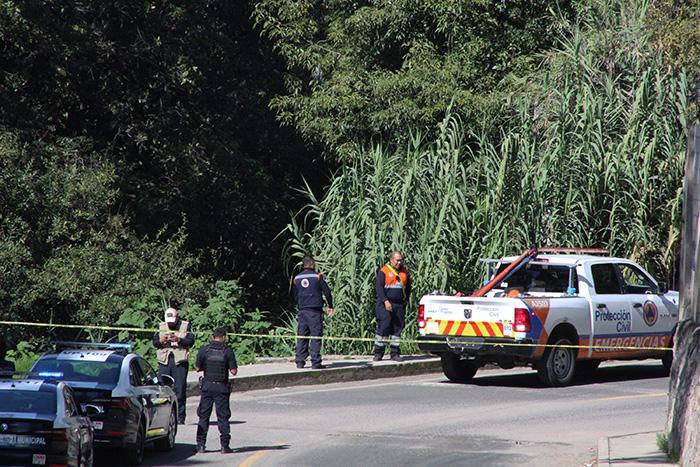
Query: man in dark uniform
pixel 309 289
pixel 173 342
pixel 6 367
pixel 393 287
pixel 217 361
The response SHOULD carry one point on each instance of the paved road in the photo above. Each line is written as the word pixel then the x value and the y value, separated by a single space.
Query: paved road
pixel 505 418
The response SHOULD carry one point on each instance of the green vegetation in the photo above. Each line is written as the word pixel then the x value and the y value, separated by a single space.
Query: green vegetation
pixel 150 153
pixel 592 155
pixel 663 445
pixel 372 69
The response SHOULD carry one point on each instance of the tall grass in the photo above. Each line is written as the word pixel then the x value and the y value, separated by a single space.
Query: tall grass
pixel 592 155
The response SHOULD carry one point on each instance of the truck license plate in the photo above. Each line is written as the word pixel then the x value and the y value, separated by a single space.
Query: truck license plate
pixel 465 342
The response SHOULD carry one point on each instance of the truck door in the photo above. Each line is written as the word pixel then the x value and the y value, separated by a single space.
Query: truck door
pixel 610 314
pixel 651 316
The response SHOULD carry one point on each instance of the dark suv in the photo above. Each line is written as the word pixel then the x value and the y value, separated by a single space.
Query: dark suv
pixel 130 405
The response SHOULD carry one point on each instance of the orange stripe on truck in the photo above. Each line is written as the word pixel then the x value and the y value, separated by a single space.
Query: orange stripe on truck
pixel 469 328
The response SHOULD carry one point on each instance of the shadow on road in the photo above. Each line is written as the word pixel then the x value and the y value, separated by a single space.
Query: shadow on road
pixel 601 375
pixel 151 457
pixel 276 447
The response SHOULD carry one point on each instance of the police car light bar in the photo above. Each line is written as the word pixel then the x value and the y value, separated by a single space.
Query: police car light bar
pixel 97 345
pixel 50 374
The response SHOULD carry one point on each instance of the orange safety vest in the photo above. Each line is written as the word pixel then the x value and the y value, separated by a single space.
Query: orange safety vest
pixel 394 280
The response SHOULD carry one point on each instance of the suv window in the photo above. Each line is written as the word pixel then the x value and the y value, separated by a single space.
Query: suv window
pixel 149 375
pixel 635 281
pixel 43 402
pixel 539 278
pixel 135 375
pixel 106 373
pixel 605 279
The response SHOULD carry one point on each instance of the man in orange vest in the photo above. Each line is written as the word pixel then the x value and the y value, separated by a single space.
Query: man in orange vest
pixel 393 286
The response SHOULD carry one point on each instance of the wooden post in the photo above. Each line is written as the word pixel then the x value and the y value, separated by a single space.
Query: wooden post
pixel 683 426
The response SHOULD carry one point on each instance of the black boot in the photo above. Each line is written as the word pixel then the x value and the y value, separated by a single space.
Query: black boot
pixel 225 449
pixel 201 449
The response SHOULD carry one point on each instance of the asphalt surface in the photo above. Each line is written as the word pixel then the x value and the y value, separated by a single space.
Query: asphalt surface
pixel 504 418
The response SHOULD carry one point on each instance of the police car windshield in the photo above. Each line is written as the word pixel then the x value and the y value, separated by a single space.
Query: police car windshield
pixel 538 278
pixel 100 372
pixel 17 400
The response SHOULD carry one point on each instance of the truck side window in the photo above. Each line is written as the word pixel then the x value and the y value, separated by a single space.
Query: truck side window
pixel 605 279
pixel 635 281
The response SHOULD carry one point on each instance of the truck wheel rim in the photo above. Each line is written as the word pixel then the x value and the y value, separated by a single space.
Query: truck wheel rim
pixel 562 362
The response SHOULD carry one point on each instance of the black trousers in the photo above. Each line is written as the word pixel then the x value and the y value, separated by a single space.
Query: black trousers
pixel 219 398
pixel 389 326
pixel 310 324
pixel 179 374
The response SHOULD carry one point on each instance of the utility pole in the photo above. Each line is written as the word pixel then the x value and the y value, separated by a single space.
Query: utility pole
pixel 683 426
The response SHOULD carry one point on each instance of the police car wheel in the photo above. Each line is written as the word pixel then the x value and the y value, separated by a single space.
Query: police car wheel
pixel 456 369
pixel 134 453
pixel 168 443
pixel 558 363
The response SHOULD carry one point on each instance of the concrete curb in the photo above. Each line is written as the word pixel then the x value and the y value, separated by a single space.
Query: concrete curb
pixel 363 371
pixel 604 452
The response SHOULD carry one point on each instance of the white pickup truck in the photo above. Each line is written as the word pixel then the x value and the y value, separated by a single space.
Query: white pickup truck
pixel 560 313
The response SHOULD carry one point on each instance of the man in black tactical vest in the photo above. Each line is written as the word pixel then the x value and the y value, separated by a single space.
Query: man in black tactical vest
pixel 173 342
pixel 217 361
pixel 309 290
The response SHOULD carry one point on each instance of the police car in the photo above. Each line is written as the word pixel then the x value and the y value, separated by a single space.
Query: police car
pixel 41 424
pixel 132 405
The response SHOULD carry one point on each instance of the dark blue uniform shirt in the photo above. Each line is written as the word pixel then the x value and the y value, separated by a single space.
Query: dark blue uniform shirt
pixel 309 289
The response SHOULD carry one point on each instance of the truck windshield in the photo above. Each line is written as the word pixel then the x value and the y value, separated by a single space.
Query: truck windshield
pixel 538 278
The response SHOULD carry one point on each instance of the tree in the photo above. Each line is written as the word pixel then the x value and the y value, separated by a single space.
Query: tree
pixel 375 69
pixel 684 394
pixel 173 98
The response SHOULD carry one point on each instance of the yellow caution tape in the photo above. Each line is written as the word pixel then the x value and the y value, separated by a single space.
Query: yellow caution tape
pixel 346 339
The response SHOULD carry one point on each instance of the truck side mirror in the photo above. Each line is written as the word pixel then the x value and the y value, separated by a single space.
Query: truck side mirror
pixel 661 288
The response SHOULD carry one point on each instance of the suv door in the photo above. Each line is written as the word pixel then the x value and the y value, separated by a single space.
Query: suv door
pixel 160 400
pixel 610 314
pixel 144 393
pixel 651 316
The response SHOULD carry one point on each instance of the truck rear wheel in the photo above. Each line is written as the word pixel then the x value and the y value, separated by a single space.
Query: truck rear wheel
pixel 557 365
pixel 456 369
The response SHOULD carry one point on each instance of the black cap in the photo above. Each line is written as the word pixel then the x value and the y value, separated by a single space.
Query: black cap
pixel 219 332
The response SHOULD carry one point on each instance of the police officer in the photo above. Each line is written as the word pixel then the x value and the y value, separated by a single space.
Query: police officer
pixel 393 287
pixel 6 367
pixel 309 289
pixel 173 341
pixel 216 360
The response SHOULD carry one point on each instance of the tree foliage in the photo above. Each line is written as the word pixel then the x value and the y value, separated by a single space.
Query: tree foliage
pixel 591 156
pixel 138 152
pixel 372 69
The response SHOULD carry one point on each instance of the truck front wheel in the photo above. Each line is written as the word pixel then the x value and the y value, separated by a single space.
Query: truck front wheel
pixel 456 369
pixel 557 365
